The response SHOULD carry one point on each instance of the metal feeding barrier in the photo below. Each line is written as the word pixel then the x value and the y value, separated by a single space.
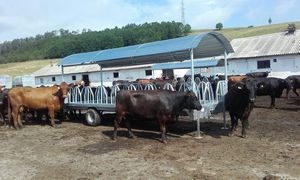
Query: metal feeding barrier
pixel 104 99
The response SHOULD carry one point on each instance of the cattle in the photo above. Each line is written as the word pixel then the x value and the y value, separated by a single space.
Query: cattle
pixel 239 101
pixel 234 79
pixel 258 74
pixel 3 105
pixel 161 105
pixel 272 87
pixel 23 98
pixel 294 81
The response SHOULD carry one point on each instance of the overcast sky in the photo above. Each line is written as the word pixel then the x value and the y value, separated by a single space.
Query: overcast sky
pixel 24 18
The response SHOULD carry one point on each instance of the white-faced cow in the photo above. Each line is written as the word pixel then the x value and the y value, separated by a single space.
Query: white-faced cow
pixel 44 98
pixel 154 104
pixel 239 101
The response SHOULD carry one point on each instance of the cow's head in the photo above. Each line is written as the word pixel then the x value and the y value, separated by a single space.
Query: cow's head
pixel 64 89
pixel 248 85
pixel 191 101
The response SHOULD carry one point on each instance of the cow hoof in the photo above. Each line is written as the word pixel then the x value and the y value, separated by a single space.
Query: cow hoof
pixel 164 141
pixel 235 129
pixel 230 134
pixel 244 136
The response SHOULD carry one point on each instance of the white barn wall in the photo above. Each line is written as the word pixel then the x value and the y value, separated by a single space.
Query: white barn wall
pixel 283 67
pixel 94 77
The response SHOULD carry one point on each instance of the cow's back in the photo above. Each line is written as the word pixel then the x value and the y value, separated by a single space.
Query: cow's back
pixel 36 98
pixel 270 86
pixel 147 104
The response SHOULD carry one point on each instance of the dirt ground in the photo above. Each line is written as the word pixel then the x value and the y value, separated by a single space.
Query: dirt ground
pixel 77 151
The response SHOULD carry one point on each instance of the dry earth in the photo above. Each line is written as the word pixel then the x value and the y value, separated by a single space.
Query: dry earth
pixel 76 151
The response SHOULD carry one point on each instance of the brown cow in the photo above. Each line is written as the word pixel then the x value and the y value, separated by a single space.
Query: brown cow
pixel 235 79
pixel 24 98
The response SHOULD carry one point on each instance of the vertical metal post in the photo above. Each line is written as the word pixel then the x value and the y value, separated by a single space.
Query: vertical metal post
pixel 226 89
pixel 195 113
pixel 193 71
pixel 62 73
pixel 101 75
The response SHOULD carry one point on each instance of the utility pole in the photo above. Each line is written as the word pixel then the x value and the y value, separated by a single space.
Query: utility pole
pixel 182 13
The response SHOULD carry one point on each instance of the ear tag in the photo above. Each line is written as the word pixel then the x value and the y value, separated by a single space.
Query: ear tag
pixel 58 87
pixel 239 87
pixel 261 86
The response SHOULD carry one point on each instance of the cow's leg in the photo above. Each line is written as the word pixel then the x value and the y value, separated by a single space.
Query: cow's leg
pixel 117 122
pixel 272 102
pixel 233 123
pixel 51 114
pixel 244 125
pixel 162 124
pixel 128 126
pixel 295 91
pixel 15 114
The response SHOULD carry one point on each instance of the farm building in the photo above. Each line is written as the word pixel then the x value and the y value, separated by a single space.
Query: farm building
pixel 278 53
pixel 51 74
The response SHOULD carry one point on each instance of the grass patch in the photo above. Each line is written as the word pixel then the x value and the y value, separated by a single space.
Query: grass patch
pixel 24 68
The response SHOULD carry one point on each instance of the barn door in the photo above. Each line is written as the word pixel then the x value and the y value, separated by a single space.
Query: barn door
pixel 168 73
pixel 85 78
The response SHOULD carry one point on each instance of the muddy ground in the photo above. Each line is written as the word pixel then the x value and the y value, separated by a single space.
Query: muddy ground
pixel 76 151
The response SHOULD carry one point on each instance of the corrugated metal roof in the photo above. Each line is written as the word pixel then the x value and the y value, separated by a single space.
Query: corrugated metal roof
pixel 178 49
pixel 52 70
pixel 186 64
pixel 266 45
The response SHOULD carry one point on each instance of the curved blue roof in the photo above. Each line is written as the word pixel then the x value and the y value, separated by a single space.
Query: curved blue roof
pixel 178 49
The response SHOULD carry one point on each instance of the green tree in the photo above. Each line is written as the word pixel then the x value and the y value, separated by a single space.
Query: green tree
pixel 270 20
pixel 219 26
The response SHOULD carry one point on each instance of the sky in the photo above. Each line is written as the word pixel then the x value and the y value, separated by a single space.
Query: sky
pixel 25 18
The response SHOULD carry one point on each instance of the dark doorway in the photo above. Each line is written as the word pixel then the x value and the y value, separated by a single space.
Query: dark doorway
pixel 85 78
pixel 168 73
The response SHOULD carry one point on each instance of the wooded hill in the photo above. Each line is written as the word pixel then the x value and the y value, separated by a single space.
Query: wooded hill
pixel 61 43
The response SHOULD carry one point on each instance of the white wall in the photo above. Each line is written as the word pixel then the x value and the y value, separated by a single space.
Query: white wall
pixel 283 67
pixel 95 78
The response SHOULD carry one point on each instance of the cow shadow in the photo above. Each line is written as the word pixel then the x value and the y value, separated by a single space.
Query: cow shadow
pixel 150 129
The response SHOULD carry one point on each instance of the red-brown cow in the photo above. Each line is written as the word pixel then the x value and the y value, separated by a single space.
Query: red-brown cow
pixel 46 98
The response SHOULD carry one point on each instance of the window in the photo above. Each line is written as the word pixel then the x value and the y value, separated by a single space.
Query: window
pixel 148 72
pixel 263 64
pixel 73 78
pixel 53 79
pixel 41 80
pixel 116 74
pixel 274 60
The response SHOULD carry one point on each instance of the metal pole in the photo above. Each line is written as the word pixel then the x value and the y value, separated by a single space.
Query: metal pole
pixel 226 89
pixel 101 75
pixel 194 90
pixel 192 71
pixel 62 73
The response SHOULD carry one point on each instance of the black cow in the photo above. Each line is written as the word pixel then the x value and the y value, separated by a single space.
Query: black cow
pixel 239 102
pixel 153 104
pixel 272 87
pixel 295 83
pixel 258 74
pixel 3 106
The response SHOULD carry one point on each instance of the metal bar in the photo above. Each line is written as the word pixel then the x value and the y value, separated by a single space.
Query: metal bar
pixel 226 89
pixel 101 75
pixel 62 73
pixel 192 71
